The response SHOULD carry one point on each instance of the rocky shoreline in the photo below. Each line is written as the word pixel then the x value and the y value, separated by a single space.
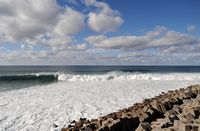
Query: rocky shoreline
pixel 171 111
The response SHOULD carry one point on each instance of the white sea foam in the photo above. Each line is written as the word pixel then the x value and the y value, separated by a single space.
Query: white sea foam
pixel 39 107
pixel 128 76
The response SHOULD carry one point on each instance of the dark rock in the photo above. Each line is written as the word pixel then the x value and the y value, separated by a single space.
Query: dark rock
pixel 73 121
pixel 55 126
pixel 175 110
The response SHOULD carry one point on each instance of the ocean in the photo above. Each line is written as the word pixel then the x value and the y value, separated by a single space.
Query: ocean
pixel 27 76
pixel 36 97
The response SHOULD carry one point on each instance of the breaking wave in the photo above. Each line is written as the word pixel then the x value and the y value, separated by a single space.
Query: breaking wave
pixel 30 77
pixel 116 75
pixel 128 76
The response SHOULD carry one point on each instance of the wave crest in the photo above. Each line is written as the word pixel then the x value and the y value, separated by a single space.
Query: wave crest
pixel 115 75
pixel 128 76
pixel 30 77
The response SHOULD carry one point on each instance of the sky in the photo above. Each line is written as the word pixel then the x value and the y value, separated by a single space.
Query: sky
pixel 99 32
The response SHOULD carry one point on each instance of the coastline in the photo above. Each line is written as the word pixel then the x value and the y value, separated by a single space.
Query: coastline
pixel 38 108
pixel 178 109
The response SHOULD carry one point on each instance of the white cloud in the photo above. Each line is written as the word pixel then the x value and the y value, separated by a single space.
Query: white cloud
pixel 191 28
pixel 100 22
pixel 45 34
pixel 27 20
pixel 97 57
pixel 55 41
pixel 95 39
pixel 160 37
pixel 122 42
pixel 174 38
pixel 105 19
pixel 71 22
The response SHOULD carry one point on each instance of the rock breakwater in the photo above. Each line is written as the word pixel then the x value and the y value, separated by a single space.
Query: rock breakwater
pixel 171 111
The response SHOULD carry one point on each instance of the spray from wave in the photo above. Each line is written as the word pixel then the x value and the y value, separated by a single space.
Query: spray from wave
pixel 118 75
pixel 115 75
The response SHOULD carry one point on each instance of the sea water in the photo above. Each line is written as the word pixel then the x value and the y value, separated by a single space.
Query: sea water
pixel 36 97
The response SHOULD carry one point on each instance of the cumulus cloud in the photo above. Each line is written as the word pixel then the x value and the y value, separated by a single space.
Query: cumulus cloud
pixel 71 22
pixel 158 46
pixel 175 38
pixel 95 39
pixel 121 42
pixel 160 37
pixel 30 19
pixel 104 19
pixel 100 22
pixel 42 32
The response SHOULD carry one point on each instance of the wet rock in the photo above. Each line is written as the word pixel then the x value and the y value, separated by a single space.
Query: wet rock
pixel 144 126
pixel 73 121
pixel 88 129
pixel 171 111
